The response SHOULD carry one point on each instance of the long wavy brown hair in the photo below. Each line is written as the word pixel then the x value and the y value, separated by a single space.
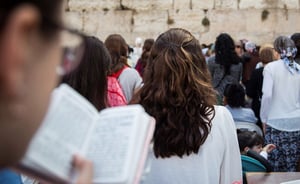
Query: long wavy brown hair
pixel 178 93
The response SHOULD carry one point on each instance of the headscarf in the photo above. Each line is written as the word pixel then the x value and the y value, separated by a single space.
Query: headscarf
pixel 287 50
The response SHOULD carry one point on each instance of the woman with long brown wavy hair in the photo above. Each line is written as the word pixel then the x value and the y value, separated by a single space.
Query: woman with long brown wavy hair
pixel 194 141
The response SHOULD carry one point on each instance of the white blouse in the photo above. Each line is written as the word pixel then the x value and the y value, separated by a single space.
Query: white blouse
pixel 218 160
pixel 280 105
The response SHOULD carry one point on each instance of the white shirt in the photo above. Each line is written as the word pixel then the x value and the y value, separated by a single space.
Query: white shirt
pixel 218 160
pixel 130 80
pixel 280 105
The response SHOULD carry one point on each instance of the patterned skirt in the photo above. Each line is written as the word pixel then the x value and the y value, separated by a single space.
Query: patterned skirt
pixel 286 156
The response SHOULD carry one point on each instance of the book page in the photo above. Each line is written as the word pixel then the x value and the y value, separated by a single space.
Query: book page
pixel 62 133
pixel 140 167
pixel 112 145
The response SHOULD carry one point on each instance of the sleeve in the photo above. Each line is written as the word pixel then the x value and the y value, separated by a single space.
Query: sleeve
pixel 130 80
pixel 264 154
pixel 231 168
pixel 267 95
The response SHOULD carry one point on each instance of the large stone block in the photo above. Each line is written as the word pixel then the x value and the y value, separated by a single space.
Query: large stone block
pixel 187 19
pixel 201 5
pixel 93 5
pixel 148 4
pixel 74 20
pixel 96 22
pixel 225 4
pixel 193 4
pixel 182 5
pixel 234 21
pixel 267 4
pixel 289 4
pixel 287 22
pixel 150 20
pixel 255 23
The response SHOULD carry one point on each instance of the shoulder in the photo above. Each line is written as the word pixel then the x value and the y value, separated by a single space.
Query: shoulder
pixel 130 72
pixel 258 70
pixel 222 112
pixel 131 75
pixel 273 67
pixel 248 111
pixel 274 64
pixel 223 121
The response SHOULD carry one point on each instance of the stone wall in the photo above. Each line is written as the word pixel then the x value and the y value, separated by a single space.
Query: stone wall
pixel 258 20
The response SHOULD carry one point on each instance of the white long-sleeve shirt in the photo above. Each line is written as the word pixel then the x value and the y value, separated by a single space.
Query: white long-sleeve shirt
pixel 280 105
pixel 218 160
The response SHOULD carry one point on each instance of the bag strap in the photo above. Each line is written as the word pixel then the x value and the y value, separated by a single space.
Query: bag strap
pixel 220 81
pixel 118 73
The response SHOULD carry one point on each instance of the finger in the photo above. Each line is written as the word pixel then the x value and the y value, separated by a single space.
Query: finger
pixel 85 170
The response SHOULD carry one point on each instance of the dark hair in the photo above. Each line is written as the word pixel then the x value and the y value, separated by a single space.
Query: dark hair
pixel 235 95
pixel 148 44
pixel 49 11
pixel 118 50
pixel 225 52
pixel 249 139
pixel 90 77
pixel 177 92
pixel 296 38
pixel 145 55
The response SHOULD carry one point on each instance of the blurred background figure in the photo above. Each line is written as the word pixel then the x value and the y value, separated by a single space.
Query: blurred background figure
pixel 90 77
pixel 296 38
pixel 226 68
pixel 142 62
pixel 128 78
pixel 234 100
pixel 249 140
pixel 137 51
pixel 239 48
pixel 249 59
pixel 280 106
pixel 267 54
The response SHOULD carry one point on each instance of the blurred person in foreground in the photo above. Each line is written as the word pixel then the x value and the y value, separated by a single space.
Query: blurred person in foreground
pixel 31 50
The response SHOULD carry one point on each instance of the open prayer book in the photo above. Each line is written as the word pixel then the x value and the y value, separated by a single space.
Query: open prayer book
pixel 116 140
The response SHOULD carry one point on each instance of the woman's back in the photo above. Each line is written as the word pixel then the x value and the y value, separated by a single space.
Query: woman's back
pixel 219 154
pixel 220 79
pixel 226 67
pixel 194 141
pixel 285 103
